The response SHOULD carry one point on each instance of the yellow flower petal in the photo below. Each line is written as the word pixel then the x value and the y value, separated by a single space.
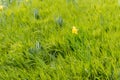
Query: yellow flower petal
pixel 1 7
pixel 74 30
pixel 27 0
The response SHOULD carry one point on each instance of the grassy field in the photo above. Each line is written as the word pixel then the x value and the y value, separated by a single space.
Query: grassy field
pixel 38 42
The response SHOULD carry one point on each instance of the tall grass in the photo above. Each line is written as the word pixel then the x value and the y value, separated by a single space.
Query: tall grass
pixel 37 43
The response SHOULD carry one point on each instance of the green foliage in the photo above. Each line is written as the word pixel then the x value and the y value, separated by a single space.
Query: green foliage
pixel 37 43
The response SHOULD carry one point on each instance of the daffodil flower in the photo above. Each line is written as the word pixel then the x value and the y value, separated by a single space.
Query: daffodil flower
pixel 1 7
pixel 74 30
pixel 26 0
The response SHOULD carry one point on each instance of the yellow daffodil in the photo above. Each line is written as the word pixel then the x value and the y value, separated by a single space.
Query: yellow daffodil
pixel 74 30
pixel 1 7
pixel 26 0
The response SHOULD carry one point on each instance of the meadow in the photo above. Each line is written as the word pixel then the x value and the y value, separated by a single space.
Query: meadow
pixel 59 40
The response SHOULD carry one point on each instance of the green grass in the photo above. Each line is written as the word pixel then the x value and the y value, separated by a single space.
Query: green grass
pixel 37 43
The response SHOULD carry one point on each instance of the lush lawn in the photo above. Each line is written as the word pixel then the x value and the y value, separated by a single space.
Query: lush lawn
pixel 37 41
